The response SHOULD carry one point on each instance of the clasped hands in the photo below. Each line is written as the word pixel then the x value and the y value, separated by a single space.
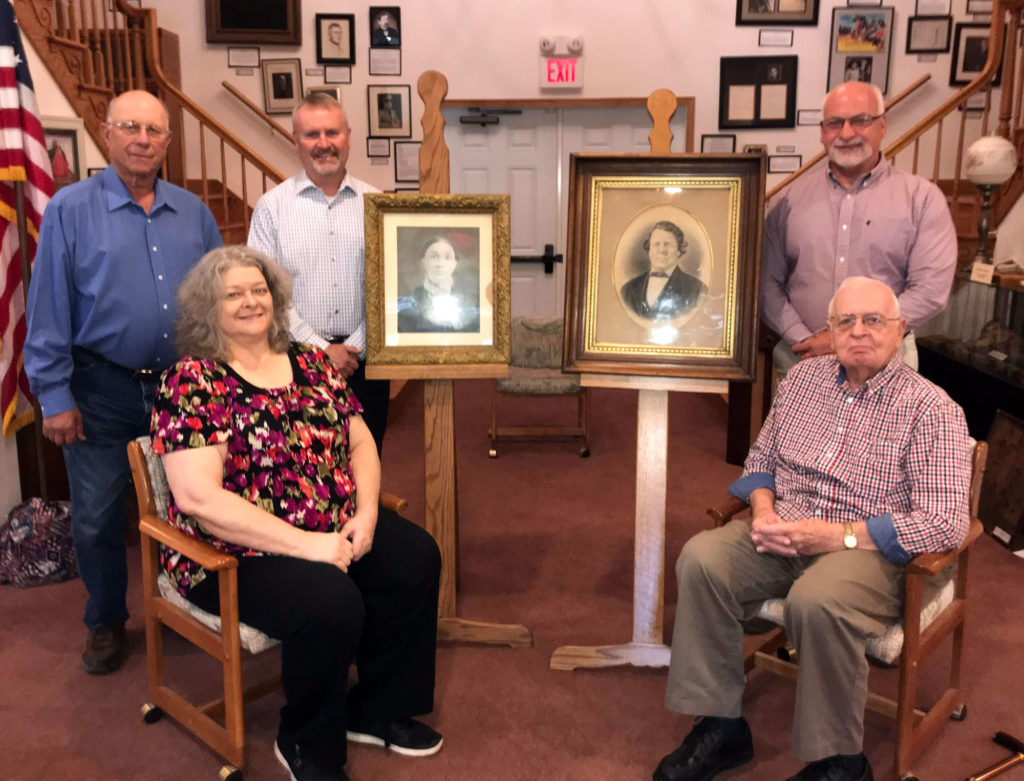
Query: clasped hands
pixel 349 545
pixel 802 537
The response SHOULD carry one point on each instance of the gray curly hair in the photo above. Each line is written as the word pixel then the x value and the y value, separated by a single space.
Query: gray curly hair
pixel 197 332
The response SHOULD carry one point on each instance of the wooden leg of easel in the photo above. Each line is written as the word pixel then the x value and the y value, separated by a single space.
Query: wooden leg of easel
pixel 442 520
pixel 647 648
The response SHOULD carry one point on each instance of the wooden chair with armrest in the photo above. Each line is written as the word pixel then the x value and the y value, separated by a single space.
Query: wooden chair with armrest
pixel 222 637
pixel 935 596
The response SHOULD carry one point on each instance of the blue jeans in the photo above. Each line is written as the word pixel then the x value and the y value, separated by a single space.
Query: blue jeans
pixel 115 409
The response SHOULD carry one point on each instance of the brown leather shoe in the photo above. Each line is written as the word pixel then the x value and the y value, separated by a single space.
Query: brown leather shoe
pixel 104 649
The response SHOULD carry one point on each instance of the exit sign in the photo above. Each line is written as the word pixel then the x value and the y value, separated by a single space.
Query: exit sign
pixel 561 72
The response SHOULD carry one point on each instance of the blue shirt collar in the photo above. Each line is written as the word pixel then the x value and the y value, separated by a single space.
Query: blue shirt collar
pixel 878 380
pixel 118 195
pixel 882 167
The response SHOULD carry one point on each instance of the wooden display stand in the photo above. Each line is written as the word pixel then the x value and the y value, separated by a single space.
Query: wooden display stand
pixel 439 411
pixel 647 648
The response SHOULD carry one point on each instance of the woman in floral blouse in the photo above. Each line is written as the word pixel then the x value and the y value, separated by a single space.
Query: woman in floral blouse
pixel 268 458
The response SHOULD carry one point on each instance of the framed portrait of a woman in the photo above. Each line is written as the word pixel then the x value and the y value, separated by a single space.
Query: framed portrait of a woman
pixel 437 279
pixel 663 257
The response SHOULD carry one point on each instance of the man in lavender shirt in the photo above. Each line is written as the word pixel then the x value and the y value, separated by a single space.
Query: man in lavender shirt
pixel 859 217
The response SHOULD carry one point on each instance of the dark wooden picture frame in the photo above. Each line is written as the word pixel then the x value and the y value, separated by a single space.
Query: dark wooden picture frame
pixel 400 124
pixel 615 204
pixel 282 84
pixel 757 92
pixel 254 21
pixel 861 45
pixel 327 53
pixel 933 34
pixel 970 52
pixel 777 12
pixel 377 39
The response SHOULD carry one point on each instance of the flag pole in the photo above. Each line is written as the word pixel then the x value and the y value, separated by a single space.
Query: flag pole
pixel 26 275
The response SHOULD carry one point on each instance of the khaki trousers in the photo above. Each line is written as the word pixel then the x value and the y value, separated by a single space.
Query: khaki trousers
pixel 834 603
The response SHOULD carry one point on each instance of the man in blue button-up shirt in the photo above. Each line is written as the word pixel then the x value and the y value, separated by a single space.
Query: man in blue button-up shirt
pixel 101 310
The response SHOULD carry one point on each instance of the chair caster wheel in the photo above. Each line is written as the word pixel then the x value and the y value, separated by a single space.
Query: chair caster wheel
pixel 959 713
pixel 230 773
pixel 908 777
pixel 151 713
pixel 585 453
pixel 492 453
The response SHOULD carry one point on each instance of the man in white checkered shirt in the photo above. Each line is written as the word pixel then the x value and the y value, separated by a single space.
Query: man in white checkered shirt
pixel 861 464
pixel 312 224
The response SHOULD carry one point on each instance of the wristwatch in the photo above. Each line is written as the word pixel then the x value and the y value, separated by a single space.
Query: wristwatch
pixel 849 538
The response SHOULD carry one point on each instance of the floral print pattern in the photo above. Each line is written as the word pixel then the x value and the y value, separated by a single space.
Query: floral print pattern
pixel 288 447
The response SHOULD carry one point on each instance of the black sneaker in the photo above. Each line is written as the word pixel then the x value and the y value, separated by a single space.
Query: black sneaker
pixel 713 746
pixel 104 649
pixel 840 767
pixel 403 736
pixel 289 754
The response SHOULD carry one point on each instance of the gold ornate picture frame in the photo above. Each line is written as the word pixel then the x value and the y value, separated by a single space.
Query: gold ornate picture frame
pixel 699 319
pixel 437 280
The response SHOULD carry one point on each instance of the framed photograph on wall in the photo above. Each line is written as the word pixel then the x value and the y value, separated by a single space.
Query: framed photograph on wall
pixel 282 85
pixel 336 39
pixel 787 12
pixel 437 279
pixel 407 161
pixel 929 34
pixel 693 217
pixel 861 46
pixel 970 53
pixel 63 138
pixel 718 143
pixel 385 26
pixel 757 92
pixel 243 56
pixel 389 107
pixel 378 147
pixel 243 21
pixel 334 92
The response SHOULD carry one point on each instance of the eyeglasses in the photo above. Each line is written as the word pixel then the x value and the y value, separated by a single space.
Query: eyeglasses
pixel 858 122
pixel 132 128
pixel 871 321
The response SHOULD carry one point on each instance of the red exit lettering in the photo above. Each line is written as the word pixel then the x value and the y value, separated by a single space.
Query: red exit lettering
pixel 562 70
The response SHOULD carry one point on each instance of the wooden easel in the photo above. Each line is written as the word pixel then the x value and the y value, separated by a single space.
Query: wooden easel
pixel 647 648
pixel 442 511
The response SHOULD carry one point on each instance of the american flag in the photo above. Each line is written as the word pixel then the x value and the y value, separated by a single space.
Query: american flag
pixel 22 158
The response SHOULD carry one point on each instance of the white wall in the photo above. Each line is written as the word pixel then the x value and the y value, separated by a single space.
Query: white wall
pixel 488 49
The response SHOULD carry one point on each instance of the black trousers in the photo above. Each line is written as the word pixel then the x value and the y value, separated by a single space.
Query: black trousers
pixel 375 396
pixel 382 614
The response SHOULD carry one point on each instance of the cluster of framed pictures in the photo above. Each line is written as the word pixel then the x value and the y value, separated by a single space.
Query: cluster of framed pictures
pixel 757 92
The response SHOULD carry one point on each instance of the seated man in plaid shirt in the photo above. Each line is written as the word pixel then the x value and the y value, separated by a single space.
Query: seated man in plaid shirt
pixel 861 464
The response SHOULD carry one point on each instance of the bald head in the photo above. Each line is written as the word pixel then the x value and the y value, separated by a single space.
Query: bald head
pixel 856 90
pixel 859 287
pixel 129 101
pixel 865 327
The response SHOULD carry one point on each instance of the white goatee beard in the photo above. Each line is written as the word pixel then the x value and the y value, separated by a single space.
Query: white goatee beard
pixel 851 157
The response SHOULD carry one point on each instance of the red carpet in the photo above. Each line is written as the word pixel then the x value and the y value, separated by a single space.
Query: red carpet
pixel 547 541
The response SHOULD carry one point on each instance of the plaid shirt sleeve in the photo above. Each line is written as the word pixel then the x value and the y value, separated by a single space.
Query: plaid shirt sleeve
pixel 939 466
pixel 759 466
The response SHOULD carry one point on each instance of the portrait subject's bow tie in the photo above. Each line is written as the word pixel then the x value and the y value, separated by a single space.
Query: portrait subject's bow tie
pixel 662 274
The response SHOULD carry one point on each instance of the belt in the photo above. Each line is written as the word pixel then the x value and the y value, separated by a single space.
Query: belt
pixel 336 339
pixel 144 375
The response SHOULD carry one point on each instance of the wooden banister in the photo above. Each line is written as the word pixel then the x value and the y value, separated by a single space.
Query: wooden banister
pixel 274 124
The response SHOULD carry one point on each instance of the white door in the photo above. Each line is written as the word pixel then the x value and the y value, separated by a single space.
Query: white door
pixel 527 156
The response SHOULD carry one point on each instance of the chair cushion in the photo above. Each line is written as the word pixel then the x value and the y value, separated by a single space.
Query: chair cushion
pixel 252 640
pixel 536 342
pixel 937 597
pixel 537 382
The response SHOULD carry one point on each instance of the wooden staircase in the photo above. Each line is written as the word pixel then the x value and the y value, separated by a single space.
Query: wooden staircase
pixel 96 49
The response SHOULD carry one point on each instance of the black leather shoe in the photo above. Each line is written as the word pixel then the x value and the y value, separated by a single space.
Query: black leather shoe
pixel 713 746
pixel 299 767
pixel 840 767
pixel 104 649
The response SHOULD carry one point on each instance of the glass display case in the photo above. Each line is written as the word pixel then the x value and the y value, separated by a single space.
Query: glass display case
pixel 975 349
